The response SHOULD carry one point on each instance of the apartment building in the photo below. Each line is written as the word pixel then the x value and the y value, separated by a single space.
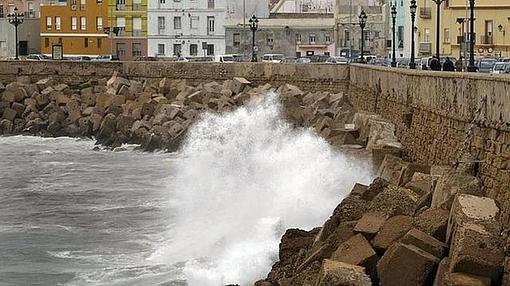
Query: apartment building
pixel 402 28
pixel 128 21
pixel 28 32
pixel 349 32
pixel 186 28
pixel 78 25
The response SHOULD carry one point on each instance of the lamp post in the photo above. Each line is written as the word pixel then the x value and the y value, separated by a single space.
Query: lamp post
pixel 16 19
pixel 438 23
pixel 502 29
pixel 362 23
pixel 460 21
pixel 254 25
pixel 412 64
pixel 393 18
pixel 472 67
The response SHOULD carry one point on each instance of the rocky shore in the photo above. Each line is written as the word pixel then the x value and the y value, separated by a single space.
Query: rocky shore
pixel 152 113
pixel 414 225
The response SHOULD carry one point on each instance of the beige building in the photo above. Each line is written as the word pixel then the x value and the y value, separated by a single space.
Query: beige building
pixel 491 27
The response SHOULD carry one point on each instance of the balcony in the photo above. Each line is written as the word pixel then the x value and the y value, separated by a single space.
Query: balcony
pixel 425 12
pixel 425 48
pixel 486 40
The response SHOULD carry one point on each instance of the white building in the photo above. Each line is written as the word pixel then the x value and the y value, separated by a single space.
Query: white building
pixel 186 28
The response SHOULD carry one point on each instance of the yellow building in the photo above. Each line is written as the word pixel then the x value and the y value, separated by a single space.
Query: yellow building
pixel 491 26
pixel 129 21
pixel 77 25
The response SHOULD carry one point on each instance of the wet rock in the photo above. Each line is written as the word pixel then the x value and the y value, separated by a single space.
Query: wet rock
pixel 370 224
pixel 406 265
pixel 338 273
pixel 433 222
pixel 451 184
pixel 395 201
pixel 425 242
pixel 391 231
pixel 357 251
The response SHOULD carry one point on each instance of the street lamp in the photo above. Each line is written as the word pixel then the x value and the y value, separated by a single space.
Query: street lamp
pixel 362 23
pixel 393 17
pixel 472 67
pixel 254 25
pixel 16 19
pixel 412 64
pixel 438 22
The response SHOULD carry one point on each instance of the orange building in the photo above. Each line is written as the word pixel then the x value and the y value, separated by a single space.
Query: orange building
pixel 77 25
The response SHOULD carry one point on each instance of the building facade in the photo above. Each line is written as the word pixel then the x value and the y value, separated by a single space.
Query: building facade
pixel 127 20
pixel 76 24
pixel 293 35
pixel 349 32
pixel 402 29
pixel 186 28
pixel 28 32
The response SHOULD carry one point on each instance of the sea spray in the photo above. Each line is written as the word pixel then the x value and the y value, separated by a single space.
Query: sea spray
pixel 242 179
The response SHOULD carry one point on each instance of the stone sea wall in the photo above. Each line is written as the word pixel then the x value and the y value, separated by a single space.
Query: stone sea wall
pixel 438 115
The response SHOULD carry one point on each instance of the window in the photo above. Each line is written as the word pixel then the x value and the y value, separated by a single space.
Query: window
pixel 99 23
pixel 1 11
pixel 121 5
pixel 121 50
pixel 236 40
pixel 10 8
pixel 137 26
pixel 177 23
pixel 210 50
pixel 60 40
pixel 194 22
pixel 46 42
pixel 58 23
pixel 137 5
pixel 83 21
pixel 86 42
pixel 74 23
pixel 327 37
pixel 161 25
pixel 347 38
pixel 210 4
pixel 31 12
pixel 210 24
pixel 298 38
pixel 426 38
pixel 121 25
pixel 83 4
pixel 161 49
pixel 193 50
pixel 177 50
pixel 312 38
pixel 446 35
pixel 400 37
pixel 3 44
pixel 99 43
pixel 270 40
pixel 48 23
pixel 136 50
pixel 366 34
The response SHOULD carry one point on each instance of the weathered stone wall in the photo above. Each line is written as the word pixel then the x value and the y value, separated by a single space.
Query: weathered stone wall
pixel 308 77
pixel 434 113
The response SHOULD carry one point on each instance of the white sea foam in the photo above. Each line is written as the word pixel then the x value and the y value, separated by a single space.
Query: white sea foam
pixel 241 180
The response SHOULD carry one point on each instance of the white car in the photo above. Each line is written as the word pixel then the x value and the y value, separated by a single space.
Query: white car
pixel 224 58
pixel 105 58
pixel 337 60
pixel 272 58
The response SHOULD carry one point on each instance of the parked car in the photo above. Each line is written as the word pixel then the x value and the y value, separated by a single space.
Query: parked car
pixel 224 58
pixel 106 58
pixel 303 60
pixel 272 58
pixel 486 65
pixel 337 60
pixel 37 57
pixel 239 58
pixel 403 63
pixel 499 68
pixel 289 60
pixel 146 59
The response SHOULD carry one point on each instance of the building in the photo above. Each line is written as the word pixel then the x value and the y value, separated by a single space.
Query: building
pixel 402 28
pixel 349 32
pixel 28 32
pixel 303 6
pixel 186 28
pixel 128 22
pixel 491 26
pixel 76 24
pixel 290 34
